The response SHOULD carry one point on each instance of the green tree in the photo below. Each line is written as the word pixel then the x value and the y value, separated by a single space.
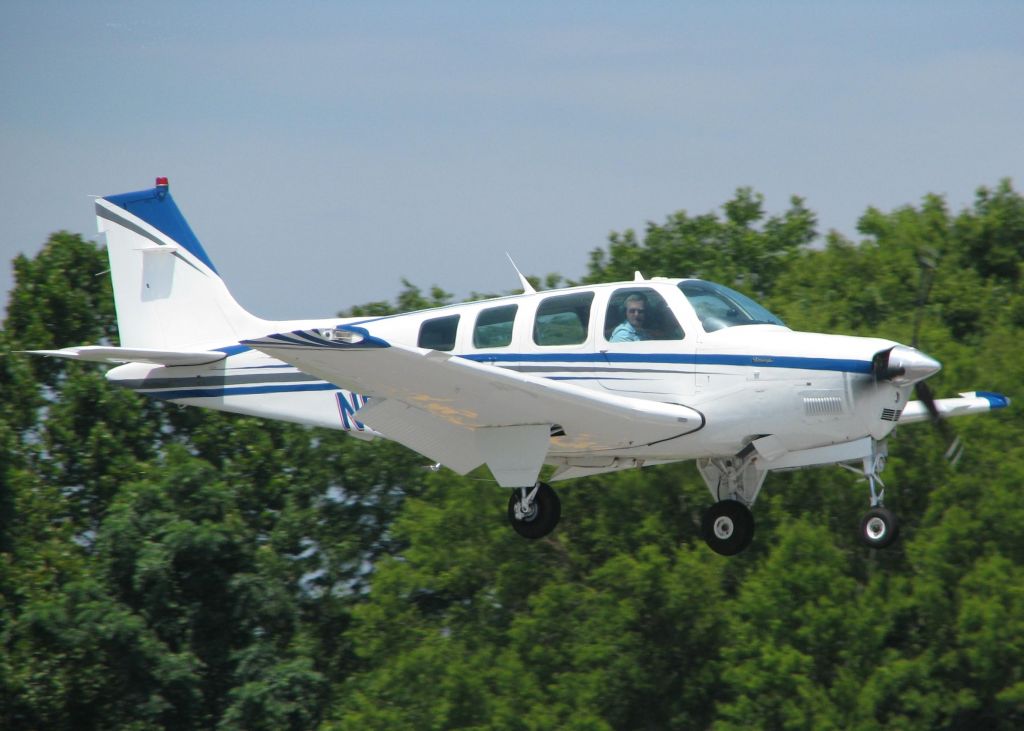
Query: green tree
pixel 186 569
pixel 744 250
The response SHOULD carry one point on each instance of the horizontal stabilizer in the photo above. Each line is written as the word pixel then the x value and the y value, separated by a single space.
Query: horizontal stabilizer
pixel 109 354
pixel 972 402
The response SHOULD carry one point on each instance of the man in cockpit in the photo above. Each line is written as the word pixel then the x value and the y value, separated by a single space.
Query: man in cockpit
pixel 633 327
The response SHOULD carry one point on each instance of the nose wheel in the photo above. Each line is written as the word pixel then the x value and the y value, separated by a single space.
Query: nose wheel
pixel 534 511
pixel 878 528
pixel 728 527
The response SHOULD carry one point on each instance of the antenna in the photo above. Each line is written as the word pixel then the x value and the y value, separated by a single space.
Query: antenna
pixel 638 277
pixel 527 287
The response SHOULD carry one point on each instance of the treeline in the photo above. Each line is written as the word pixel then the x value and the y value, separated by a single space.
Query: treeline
pixel 175 568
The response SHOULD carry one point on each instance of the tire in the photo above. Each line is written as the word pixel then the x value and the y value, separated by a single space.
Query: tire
pixel 728 527
pixel 547 509
pixel 878 528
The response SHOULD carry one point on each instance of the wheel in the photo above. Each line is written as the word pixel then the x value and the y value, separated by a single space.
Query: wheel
pixel 728 527
pixel 878 528
pixel 542 515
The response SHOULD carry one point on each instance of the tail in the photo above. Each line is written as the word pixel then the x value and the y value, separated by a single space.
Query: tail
pixel 167 292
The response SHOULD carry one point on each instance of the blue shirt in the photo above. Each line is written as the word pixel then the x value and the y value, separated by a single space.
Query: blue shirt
pixel 626 333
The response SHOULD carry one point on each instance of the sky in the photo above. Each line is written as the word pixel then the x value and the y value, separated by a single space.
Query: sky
pixel 324 151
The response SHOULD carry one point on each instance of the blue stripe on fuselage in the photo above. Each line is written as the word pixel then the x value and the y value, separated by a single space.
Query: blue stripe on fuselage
pixel 754 361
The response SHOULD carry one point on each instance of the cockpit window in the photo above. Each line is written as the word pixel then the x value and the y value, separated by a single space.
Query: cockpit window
pixel 639 313
pixel 719 307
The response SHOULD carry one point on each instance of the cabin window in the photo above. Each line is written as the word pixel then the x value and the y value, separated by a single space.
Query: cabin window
pixel 563 320
pixel 439 333
pixel 639 313
pixel 494 327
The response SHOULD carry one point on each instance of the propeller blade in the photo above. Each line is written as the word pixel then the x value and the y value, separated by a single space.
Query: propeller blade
pixel 926 263
pixel 924 394
pixel 956 448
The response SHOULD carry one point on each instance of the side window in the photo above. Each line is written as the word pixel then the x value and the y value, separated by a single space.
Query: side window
pixel 439 333
pixel 563 320
pixel 639 313
pixel 494 327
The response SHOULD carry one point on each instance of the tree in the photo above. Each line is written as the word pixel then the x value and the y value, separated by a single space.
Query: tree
pixel 733 251
pixel 178 568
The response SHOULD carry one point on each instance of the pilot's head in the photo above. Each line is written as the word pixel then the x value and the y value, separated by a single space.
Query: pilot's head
pixel 636 310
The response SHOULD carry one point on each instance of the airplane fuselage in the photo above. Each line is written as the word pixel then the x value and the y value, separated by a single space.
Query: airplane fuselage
pixel 746 380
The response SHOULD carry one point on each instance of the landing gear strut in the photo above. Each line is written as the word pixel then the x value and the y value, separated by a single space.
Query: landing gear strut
pixel 878 527
pixel 534 511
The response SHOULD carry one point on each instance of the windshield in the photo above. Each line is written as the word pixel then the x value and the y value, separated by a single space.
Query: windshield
pixel 719 307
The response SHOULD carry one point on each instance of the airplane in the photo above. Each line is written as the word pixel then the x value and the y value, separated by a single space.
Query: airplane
pixel 587 379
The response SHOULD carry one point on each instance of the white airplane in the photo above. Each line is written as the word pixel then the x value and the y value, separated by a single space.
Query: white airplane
pixel 587 379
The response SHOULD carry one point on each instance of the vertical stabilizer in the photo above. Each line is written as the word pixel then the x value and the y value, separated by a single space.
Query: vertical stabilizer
pixel 167 292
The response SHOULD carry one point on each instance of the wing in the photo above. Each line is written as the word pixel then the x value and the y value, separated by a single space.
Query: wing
pixel 464 414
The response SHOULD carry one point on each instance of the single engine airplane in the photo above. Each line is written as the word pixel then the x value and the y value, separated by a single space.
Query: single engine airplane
pixel 588 379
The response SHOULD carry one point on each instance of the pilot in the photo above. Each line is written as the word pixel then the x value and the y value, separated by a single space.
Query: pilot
pixel 633 328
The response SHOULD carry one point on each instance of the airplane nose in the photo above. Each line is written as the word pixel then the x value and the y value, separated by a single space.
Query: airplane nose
pixel 904 366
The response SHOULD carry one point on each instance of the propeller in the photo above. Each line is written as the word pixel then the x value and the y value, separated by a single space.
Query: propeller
pixel 903 366
pixel 926 260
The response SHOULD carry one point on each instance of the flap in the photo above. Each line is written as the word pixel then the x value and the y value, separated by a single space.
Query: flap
pixel 452 446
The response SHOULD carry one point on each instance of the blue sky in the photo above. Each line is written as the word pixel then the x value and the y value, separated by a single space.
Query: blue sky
pixel 324 150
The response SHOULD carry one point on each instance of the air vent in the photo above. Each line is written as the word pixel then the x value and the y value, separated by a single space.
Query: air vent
pixel 891 414
pixel 822 405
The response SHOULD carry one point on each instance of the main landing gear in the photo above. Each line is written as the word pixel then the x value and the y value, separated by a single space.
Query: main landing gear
pixel 728 525
pixel 534 511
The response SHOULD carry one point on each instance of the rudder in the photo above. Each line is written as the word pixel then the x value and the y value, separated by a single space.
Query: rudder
pixel 167 292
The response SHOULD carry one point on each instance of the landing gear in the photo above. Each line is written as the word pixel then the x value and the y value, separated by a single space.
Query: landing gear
pixel 728 527
pixel 878 528
pixel 734 482
pixel 534 511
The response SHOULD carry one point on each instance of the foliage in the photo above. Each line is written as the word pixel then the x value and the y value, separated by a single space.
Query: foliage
pixel 735 251
pixel 186 569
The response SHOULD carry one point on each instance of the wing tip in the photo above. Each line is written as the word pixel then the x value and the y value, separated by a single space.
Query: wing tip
pixel 995 400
